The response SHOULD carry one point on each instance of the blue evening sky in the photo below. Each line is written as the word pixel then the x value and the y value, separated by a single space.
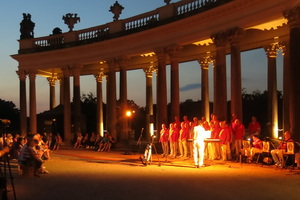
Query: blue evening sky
pixel 48 14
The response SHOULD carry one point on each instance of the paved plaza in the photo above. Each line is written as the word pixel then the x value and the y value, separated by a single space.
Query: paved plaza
pixel 86 174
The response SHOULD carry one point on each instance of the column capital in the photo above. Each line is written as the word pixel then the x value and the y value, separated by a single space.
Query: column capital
pixel 206 60
pixel 100 76
pixel 149 70
pixel 293 16
pixel 174 51
pixel 160 55
pixel 76 69
pixel 220 39
pixel 234 35
pixel 122 61
pixel 52 80
pixel 32 74
pixel 66 71
pixel 273 48
pixel 22 74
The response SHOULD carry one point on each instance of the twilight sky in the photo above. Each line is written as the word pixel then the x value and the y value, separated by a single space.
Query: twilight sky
pixel 48 14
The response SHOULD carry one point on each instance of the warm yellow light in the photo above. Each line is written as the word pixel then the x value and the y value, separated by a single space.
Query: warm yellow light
pixel 206 42
pixel 128 113
pixel 150 54
pixel 270 25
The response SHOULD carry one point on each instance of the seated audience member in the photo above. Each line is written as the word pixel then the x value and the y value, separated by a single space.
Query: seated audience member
pixel 29 156
pixel 277 154
pixel 256 147
pixel 108 144
pixel 105 139
pixel 85 140
pixel 17 147
pixel 58 141
pixel 42 147
pixel 78 142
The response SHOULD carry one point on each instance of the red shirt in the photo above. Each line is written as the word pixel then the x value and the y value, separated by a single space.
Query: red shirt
pixel 164 135
pixel 225 135
pixel 254 127
pixel 239 131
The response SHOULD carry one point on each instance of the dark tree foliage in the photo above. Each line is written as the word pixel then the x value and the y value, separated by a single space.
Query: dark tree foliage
pixel 89 108
pixel 256 104
pixel 9 111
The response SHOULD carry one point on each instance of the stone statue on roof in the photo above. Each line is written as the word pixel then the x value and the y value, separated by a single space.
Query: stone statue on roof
pixel 26 27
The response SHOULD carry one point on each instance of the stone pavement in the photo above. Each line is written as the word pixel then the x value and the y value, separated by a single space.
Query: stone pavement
pixel 86 174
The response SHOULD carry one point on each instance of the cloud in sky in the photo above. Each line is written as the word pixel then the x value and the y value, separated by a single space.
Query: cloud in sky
pixel 190 87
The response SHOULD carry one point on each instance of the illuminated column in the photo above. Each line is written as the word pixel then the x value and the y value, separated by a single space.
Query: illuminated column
pixel 220 85
pixel 61 90
pixel 23 104
pixel 32 104
pixel 100 127
pixel 294 56
pixel 149 101
pixel 124 132
pixel 286 87
pixel 271 52
pixel 162 117
pixel 67 106
pixel 51 81
pixel 205 62
pixel 173 53
pixel 76 98
pixel 236 74
pixel 111 111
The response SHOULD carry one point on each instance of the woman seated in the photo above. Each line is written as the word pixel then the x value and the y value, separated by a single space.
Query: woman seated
pixel 29 156
pixel 256 147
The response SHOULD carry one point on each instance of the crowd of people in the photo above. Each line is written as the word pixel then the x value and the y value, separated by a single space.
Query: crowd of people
pixel 217 140
pixel 94 141
pixel 30 151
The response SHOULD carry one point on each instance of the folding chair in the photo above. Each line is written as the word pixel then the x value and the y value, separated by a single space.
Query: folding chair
pixel 265 151
pixel 289 155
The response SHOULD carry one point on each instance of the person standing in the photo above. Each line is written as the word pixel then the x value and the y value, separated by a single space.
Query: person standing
pixel 254 127
pixel 183 135
pixel 238 135
pixel 225 137
pixel 164 135
pixel 199 146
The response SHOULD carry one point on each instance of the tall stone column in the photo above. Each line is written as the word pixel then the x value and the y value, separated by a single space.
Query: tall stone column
pixel 205 62
pixel 111 111
pixel 61 90
pixel 123 119
pixel 76 99
pixel 174 52
pixel 271 52
pixel 236 74
pixel 23 104
pixel 286 87
pixel 162 115
pixel 220 83
pixel 51 81
pixel 293 17
pixel 67 107
pixel 100 123
pixel 32 104
pixel 149 101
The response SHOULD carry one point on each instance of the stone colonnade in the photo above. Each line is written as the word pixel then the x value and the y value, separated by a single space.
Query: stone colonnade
pixel 232 37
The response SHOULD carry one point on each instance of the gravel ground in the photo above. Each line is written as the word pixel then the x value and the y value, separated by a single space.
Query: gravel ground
pixel 86 174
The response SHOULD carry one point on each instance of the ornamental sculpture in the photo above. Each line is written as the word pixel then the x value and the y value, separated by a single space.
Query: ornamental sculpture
pixel 167 2
pixel 116 9
pixel 26 27
pixel 71 19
